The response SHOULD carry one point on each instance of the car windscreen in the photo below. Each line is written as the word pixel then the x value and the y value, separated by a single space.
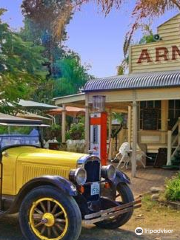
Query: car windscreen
pixel 11 135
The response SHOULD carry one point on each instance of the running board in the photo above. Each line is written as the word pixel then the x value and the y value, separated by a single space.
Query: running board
pixel 111 212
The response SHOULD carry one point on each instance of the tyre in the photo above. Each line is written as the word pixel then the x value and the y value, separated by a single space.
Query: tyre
pixel 123 195
pixel 46 213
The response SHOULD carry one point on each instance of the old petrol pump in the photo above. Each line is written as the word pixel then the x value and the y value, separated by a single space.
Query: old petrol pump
pixel 98 129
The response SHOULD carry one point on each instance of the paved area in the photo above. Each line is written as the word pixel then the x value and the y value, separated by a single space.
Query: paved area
pixel 147 178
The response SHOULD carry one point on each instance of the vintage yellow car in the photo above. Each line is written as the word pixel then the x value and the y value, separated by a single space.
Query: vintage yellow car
pixel 54 191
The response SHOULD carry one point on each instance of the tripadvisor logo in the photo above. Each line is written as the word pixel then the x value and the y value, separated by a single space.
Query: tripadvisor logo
pixel 139 231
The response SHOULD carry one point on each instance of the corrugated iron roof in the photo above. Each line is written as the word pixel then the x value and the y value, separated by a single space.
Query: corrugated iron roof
pixel 8 119
pixel 36 105
pixel 134 81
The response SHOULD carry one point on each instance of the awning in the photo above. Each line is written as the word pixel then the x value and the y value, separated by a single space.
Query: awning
pixel 76 100
pixel 35 105
pixel 134 81
pixel 70 111
pixel 28 104
pixel 28 115
pixel 8 120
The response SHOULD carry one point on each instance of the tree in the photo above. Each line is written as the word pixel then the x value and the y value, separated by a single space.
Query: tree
pixel 73 76
pixel 148 37
pixel 20 65
pixel 45 24
pixel 49 15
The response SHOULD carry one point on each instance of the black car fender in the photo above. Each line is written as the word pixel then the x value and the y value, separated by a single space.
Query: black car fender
pixel 61 183
pixel 121 178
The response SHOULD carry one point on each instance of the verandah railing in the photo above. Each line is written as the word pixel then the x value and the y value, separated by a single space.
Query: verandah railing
pixel 173 141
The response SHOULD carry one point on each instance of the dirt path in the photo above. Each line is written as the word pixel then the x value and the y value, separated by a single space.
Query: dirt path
pixel 150 216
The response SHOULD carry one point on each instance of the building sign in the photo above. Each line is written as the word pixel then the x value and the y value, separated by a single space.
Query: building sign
pixel 163 55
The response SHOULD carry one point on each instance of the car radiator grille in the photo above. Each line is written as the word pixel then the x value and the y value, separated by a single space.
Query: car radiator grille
pixel 93 175
pixel 92 168
pixel 31 171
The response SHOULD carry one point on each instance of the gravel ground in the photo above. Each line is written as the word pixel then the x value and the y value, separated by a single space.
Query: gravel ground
pixel 9 230
pixel 151 215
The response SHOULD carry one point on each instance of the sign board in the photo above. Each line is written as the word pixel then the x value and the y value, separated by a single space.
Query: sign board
pixel 163 55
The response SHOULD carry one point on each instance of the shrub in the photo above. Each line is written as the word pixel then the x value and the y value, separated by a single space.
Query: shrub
pixel 54 131
pixel 172 191
pixel 76 131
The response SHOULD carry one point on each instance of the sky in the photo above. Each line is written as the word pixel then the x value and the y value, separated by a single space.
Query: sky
pixel 96 38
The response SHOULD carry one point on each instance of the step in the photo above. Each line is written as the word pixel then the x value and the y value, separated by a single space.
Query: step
pixel 171 167
pixel 174 163
pixel 153 148
pixel 175 159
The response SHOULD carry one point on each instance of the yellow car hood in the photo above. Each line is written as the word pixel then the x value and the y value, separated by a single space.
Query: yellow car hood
pixel 46 156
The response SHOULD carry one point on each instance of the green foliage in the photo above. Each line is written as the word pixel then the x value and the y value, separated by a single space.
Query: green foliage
pixel 15 130
pixel 118 116
pixel 33 32
pixel 54 131
pixel 45 24
pixel 3 130
pixel 120 70
pixel 73 76
pixel 172 191
pixel 20 65
pixel 148 37
pixel 33 63
pixel 65 72
pixel 76 131
pixel 148 203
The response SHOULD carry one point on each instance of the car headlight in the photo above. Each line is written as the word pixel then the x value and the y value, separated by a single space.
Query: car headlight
pixel 78 176
pixel 108 172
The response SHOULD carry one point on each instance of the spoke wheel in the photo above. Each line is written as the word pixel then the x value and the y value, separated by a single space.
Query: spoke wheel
pixel 47 213
pixel 48 219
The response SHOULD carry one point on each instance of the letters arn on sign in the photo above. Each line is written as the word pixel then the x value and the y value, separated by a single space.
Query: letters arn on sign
pixel 161 54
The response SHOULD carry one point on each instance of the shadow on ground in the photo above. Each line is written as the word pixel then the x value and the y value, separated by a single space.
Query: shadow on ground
pixel 95 233
pixel 9 230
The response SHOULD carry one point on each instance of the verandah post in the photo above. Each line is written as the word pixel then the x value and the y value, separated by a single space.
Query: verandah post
pixel 134 142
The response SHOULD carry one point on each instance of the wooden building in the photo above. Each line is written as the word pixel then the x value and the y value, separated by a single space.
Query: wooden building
pixel 150 94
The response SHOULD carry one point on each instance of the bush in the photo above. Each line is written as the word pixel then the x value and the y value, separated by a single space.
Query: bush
pixel 76 131
pixel 54 131
pixel 172 191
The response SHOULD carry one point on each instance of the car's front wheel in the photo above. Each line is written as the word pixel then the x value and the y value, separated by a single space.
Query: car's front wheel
pixel 48 214
pixel 123 195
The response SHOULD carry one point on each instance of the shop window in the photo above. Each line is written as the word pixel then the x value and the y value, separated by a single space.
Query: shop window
pixel 150 115
pixel 143 104
pixel 150 104
pixel 158 104
pixel 171 104
pixel 177 104
pixel 174 112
